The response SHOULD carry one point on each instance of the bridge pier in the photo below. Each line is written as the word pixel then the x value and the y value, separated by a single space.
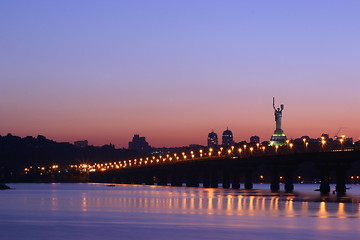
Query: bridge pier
pixel 274 184
pixel 120 180
pixel 192 179
pixel 235 183
pixel 248 179
pixel 176 179
pixel 214 181
pixel 340 180
pixel 206 179
pixel 324 178
pixel 149 180
pixel 162 179
pixel 289 183
pixel 128 180
pixel 138 179
pixel 226 179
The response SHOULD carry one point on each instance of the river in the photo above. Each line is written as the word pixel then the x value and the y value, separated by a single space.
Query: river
pixel 97 211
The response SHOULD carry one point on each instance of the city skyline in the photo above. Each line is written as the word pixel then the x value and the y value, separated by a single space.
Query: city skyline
pixel 173 71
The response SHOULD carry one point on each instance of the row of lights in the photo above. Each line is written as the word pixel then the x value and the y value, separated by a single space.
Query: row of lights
pixel 280 177
pixel 168 158
pixel 162 159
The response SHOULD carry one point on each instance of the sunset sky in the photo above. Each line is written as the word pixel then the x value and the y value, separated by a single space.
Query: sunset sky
pixel 174 70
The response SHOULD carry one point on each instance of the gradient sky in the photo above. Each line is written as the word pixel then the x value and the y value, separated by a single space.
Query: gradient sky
pixel 174 70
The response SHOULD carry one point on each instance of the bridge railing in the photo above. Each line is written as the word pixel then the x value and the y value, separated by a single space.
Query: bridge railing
pixel 236 152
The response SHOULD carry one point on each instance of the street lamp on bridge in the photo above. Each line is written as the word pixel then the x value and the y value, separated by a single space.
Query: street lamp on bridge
pixel 341 143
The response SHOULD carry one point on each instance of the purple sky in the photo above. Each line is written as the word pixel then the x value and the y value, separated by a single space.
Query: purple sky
pixel 174 70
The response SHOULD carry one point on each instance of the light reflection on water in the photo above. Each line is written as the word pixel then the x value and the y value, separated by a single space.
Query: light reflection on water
pixel 91 211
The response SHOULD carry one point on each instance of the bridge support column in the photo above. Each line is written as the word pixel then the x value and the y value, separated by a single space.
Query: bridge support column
pixel 274 184
pixel 162 179
pixel 214 181
pixel 289 183
pixel 340 180
pixel 226 179
pixel 176 179
pixel 206 178
pixel 325 182
pixel 149 180
pixel 128 180
pixel 192 179
pixel 235 183
pixel 248 180
pixel 120 180
pixel 138 179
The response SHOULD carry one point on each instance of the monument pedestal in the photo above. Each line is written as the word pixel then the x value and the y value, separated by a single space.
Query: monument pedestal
pixel 278 138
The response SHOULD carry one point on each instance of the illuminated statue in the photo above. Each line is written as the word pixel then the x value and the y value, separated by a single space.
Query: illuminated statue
pixel 279 137
pixel 278 114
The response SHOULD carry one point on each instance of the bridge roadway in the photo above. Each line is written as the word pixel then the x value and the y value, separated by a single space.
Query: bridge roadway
pixel 232 170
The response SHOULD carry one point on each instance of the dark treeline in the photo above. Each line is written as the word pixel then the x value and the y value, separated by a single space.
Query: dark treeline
pixel 17 153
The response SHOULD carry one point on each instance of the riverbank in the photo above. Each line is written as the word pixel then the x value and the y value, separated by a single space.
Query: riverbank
pixel 4 187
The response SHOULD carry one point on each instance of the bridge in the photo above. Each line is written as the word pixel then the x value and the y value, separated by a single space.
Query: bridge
pixel 231 168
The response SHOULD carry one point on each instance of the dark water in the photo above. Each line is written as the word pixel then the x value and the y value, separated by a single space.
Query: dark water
pixel 96 211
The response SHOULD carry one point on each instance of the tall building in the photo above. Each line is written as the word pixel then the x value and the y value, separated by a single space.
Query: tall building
pixel 254 139
pixel 139 144
pixel 212 139
pixel 227 138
